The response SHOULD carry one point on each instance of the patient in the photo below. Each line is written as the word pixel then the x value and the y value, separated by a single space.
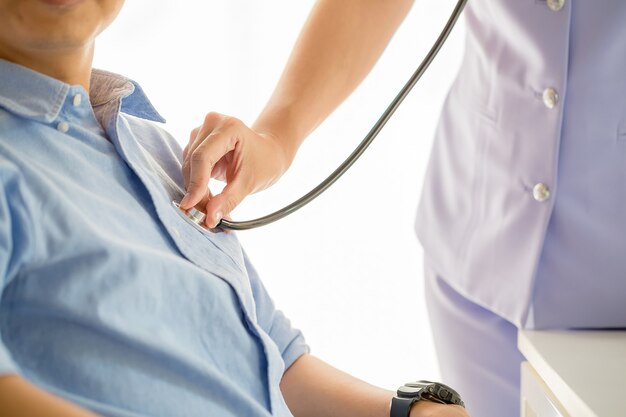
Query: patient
pixel 111 304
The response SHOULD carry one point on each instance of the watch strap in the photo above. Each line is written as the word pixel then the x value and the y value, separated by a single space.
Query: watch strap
pixel 401 407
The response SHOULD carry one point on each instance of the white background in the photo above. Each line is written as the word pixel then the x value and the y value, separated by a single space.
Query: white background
pixel 347 268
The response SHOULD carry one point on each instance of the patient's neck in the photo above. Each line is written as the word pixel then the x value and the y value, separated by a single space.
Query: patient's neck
pixel 72 66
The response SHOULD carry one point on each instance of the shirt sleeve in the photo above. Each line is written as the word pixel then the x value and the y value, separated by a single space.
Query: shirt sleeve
pixel 12 242
pixel 289 340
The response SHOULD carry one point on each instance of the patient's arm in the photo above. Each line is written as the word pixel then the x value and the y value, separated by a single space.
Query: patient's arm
pixel 18 397
pixel 312 388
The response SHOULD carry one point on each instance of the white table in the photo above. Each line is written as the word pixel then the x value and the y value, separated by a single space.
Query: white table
pixel 573 374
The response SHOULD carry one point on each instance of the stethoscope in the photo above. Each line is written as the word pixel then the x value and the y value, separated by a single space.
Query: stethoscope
pixel 196 217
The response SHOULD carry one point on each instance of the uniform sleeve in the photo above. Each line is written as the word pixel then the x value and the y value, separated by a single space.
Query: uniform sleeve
pixel 289 340
pixel 12 243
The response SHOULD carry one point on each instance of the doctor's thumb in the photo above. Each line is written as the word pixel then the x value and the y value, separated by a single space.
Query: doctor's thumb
pixel 221 205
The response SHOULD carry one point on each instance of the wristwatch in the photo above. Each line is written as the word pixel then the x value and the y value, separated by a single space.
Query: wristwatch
pixel 411 392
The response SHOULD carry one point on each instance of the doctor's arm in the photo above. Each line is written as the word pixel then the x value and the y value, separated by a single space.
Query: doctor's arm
pixel 313 388
pixel 337 47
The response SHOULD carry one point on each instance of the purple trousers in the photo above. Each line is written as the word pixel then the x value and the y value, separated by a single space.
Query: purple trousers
pixel 477 350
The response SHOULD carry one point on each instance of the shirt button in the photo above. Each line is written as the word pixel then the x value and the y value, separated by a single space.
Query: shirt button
pixel 176 233
pixel 77 100
pixel 550 97
pixel 556 5
pixel 63 127
pixel 541 192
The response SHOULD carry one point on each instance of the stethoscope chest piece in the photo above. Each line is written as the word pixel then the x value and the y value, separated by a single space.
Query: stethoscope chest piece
pixel 194 217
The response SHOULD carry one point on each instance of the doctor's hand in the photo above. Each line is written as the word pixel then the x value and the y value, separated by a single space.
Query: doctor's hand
pixel 226 149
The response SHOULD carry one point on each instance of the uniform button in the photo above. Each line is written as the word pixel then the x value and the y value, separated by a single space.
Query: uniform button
pixel 541 192
pixel 63 127
pixel 550 97
pixel 176 233
pixel 77 100
pixel 556 5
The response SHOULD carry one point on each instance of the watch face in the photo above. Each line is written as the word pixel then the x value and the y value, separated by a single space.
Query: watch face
pixel 442 393
pixel 432 391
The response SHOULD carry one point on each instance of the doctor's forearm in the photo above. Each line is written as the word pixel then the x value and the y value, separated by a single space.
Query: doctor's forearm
pixel 337 47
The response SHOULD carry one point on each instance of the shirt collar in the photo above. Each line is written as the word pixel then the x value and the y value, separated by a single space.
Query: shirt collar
pixel 33 95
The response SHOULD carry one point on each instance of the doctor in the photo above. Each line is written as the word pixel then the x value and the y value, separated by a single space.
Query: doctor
pixel 522 215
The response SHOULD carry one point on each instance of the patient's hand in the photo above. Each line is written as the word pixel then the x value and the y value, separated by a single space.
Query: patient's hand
pixel 19 397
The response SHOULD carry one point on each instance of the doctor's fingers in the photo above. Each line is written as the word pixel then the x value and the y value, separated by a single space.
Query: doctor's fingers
pixel 210 122
pixel 217 152
pixel 203 162
pixel 220 205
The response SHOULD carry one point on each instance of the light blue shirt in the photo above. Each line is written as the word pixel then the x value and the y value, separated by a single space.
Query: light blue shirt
pixel 524 204
pixel 109 298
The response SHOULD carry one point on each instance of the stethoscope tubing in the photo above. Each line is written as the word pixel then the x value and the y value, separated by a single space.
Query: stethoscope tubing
pixel 371 135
